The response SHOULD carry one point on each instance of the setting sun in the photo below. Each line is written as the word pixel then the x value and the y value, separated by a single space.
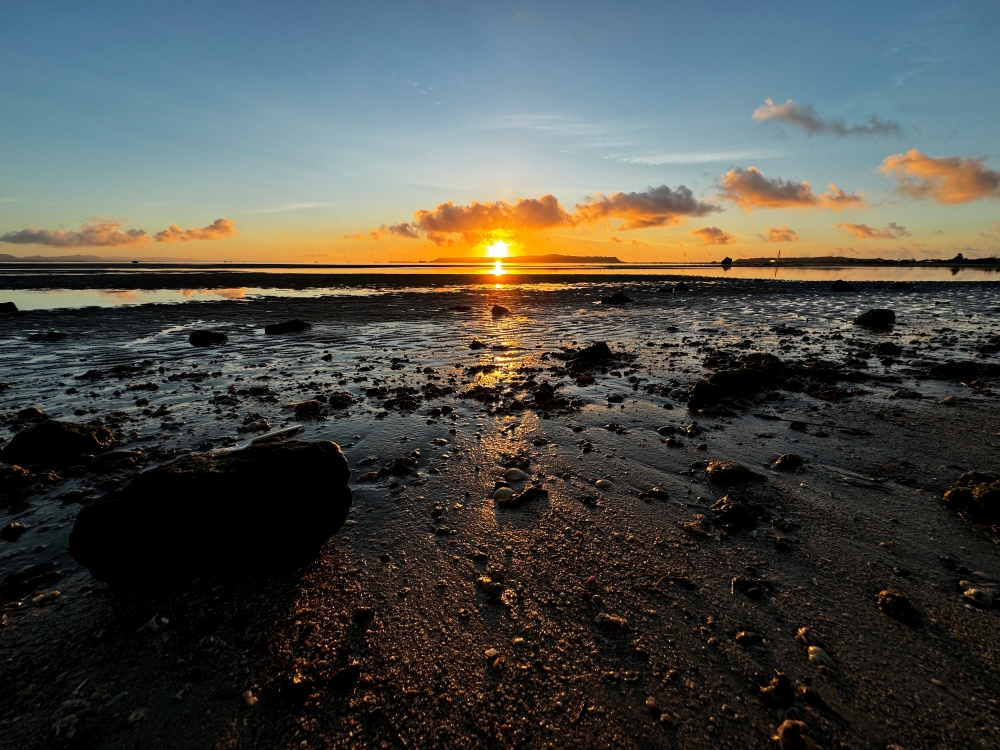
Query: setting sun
pixel 498 249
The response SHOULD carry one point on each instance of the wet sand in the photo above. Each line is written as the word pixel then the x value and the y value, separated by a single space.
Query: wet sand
pixel 393 639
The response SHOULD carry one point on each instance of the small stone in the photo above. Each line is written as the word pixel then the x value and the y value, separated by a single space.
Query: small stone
pixel 795 735
pixel 491 653
pixel 788 462
pixel 136 716
pixel 364 615
pixel 651 703
pixel 604 484
pixel 499 311
pixel 878 318
pixel 503 493
pixel 897 606
pixel 249 698
pixel 12 531
pixel 515 475
pixel 820 657
pixel 981 597
pixel 808 637
pixel 289 326
pixel 728 473
pixel 207 338
pixel 488 585
pixel 611 622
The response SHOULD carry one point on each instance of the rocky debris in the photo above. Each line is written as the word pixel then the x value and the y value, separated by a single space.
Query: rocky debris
pixel 897 605
pixel 729 473
pixel 842 286
pixel 788 462
pixel 207 338
pixel 7 308
pixel 271 505
pixel 340 399
pixel 289 326
pixel 752 588
pixel 612 622
pixel 700 526
pixel 529 493
pixel 976 496
pixel 618 298
pixel 48 337
pixel 795 735
pixel 307 409
pixel 12 531
pixel 477 344
pixel 499 311
pixel 51 442
pixel 734 513
pixel 964 372
pixel 982 594
pixel 400 467
pixel 877 318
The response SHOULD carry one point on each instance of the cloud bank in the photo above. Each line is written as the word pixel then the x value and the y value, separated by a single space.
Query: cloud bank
pixel 806 118
pixel 106 234
pixel 779 234
pixel 750 189
pixel 865 232
pixel 653 207
pixel 110 234
pixel 217 230
pixel 712 236
pixel 946 179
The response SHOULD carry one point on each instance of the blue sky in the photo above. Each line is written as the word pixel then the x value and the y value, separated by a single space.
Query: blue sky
pixel 303 123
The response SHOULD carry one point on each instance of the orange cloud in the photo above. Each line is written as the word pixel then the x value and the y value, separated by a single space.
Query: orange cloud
pixel 653 207
pixel 96 235
pixel 946 179
pixel 750 189
pixel 219 229
pixel 780 234
pixel 713 236
pixel 865 232
pixel 806 117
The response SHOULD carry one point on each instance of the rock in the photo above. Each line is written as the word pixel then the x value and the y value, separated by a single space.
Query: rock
pixel 820 657
pixel 611 622
pixel 753 588
pixel 729 473
pixel 667 429
pixel 503 493
pixel 340 399
pixel 399 467
pixel 477 344
pixel 727 261
pixel 499 311
pixel 896 605
pixel 597 352
pixel 981 596
pixel 795 735
pixel 748 639
pixel 702 394
pixel 12 531
pixel 311 408
pixel 271 505
pixel 515 475
pixel 877 318
pixel 47 338
pixel 604 484
pixel 734 513
pixel 778 693
pixel 842 286
pixel 976 498
pixel 7 308
pixel 531 493
pixel 887 348
pixel 208 338
pixel 31 413
pixel 618 298
pixel 900 286
pixel 808 637
pixel 680 286
pixel 963 371
pixel 51 442
pixel 289 326
pixel 545 393
pixel 788 462
pixel 654 493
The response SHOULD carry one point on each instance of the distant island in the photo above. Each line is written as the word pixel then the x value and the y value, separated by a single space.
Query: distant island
pixel 839 260
pixel 6 258
pixel 530 259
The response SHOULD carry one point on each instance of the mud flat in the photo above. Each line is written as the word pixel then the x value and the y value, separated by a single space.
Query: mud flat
pixel 549 545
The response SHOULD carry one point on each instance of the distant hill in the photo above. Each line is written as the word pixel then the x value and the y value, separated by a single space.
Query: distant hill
pixel 5 258
pixel 532 259
pixel 839 260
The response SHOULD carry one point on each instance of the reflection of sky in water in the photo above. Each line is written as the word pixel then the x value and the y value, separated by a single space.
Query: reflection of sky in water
pixel 49 299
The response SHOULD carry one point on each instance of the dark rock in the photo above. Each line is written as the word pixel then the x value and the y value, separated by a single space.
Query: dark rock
pixel 748 639
pixel 727 261
pixel 896 605
pixel 963 371
pixel 31 413
pixel 12 531
pixel 399 467
pixel 530 493
pixel 49 337
pixel 208 338
pixel 702 394
pixel 618 298
pixel 260 509
pixel 900 286
pixel 545 393
pixel 51 442
pixel 795 735
pixel 843 286
pixel 731 512
pixel 729 473
pixel 887 348
pixel 477 344
pixel 667 429
pixel 977 500
pixel 597 352
pixel 289 326
pixel 7 307
pixel 788 462
pixel 680 286
pixel 499 311
pixel 877 318
pixel 461 308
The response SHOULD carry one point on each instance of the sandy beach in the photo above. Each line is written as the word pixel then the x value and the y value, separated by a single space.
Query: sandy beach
pixel 594 612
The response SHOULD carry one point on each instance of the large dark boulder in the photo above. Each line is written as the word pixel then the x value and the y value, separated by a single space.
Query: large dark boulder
pixel 289 326
pixel 52 442
pixel 598 352
pixel 878 318
pixel 842 286
pixel 963 371
pixel 7 307
pixel 266 507
pixel 207 338
pixel 618 298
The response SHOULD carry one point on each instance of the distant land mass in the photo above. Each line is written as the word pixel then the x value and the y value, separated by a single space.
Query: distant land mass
pixel 5 258
pixel 532 259
pixel 839 260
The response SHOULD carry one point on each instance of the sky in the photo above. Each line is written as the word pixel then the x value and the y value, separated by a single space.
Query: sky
pixel 376 132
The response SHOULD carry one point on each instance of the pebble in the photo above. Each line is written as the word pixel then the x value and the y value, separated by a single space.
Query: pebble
pixel 604 484
pixel 515 475
pixel 491 653
pixel 795 735
pixel 611 622
pixel 249 698
pixel 820 657
pixel 978 594
pixel 504 493
pixel 808 637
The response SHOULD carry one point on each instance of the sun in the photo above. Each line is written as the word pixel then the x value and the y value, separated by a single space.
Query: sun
pixel 498 249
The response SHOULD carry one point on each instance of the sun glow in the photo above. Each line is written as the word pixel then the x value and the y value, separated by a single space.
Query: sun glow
pixel 498 269
pixel 498 249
